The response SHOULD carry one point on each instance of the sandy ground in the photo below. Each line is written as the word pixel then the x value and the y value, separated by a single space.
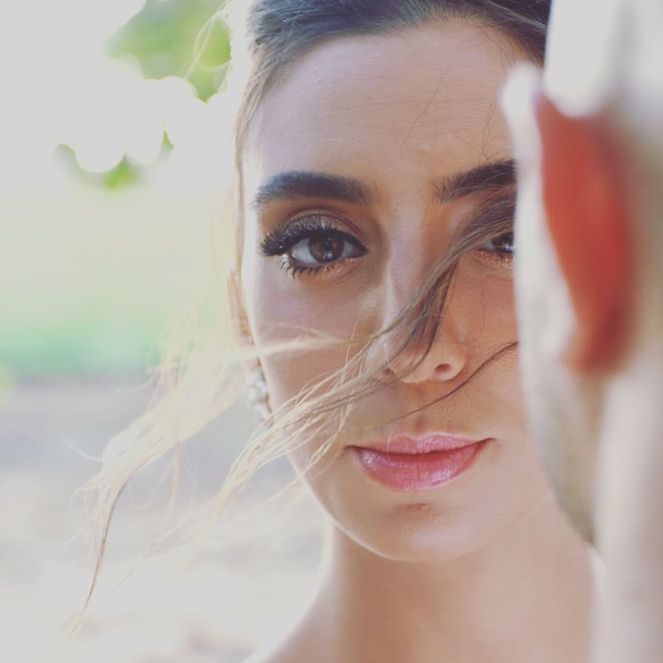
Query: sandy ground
pixel 215 606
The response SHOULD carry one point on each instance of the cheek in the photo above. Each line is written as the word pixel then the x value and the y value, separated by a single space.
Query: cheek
pixel 282 309
pixel 482 303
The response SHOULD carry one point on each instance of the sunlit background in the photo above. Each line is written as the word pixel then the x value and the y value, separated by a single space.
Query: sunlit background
pixel 109 162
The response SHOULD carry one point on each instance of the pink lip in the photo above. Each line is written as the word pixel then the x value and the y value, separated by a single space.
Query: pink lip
pixel 411 464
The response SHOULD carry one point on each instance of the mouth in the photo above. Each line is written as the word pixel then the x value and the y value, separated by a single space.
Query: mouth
pixel 407 464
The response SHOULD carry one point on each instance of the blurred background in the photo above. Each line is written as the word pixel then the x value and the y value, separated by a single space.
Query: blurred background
pixel 109 164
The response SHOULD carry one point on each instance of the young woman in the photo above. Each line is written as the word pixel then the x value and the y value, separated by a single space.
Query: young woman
pixel 371 291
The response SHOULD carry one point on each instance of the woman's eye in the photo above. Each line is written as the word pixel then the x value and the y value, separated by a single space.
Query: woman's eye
pixel 502 245
pixel 322 249
pixel 310 245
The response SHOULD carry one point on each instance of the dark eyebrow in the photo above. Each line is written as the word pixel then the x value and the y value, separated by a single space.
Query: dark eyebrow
pixel 308 184
pixel 311 184
pixel 495 175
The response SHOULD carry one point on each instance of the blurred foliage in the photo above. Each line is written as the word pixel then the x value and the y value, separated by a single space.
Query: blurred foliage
pixel 123 176
pixel 181 38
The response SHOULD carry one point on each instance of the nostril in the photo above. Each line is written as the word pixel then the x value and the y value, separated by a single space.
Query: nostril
pixel 446 371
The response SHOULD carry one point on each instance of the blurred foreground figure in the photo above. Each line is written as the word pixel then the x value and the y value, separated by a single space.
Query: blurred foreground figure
pixel 589 139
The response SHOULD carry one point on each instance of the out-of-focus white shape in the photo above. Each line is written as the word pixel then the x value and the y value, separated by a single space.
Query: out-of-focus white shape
pixel 154 102
pixel 174 97
pixel 109 17
pixel 609 53
pixel 201 160
pixel 604 49
pixel 143 139
pixel 577 75
pixel 60 88
pixel 643 80
pixel 516 99
pixel 22 641
pixel 98 154
pixel 188 123
pixel 121 116
pixel 51 56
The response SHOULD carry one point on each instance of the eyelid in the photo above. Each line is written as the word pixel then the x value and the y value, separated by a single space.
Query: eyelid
pixel 496 212
pixel 279 240
pixel 282 215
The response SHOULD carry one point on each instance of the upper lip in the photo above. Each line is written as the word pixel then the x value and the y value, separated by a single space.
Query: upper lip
pixel 406 444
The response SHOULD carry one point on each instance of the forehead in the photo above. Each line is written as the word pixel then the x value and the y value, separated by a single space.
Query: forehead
pixel 425 97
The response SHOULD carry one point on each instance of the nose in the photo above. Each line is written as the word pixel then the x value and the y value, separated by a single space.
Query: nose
pixel 412 361
pixel 443 362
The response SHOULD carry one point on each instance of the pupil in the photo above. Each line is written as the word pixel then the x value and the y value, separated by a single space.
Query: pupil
pixel 326 249
pixel 504 242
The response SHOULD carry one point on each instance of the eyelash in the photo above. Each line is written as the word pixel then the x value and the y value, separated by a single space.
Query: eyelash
pixel 281 241
pixel 501 256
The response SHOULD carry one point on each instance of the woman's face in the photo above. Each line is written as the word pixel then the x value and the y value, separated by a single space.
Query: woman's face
pixel 357 168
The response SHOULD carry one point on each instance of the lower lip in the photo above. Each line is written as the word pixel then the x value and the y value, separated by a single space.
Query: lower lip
pixel 417 472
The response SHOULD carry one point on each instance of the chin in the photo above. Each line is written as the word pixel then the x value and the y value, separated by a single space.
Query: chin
pixel 416 533
pixel 435 526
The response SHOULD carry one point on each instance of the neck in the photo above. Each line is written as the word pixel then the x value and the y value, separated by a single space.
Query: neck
pixel 522 595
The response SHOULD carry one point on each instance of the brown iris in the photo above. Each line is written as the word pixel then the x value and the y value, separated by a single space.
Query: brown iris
pixel 326 248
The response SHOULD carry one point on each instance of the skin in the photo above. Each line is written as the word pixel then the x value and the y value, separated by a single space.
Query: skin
pixel 591 328
pixel 484 568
